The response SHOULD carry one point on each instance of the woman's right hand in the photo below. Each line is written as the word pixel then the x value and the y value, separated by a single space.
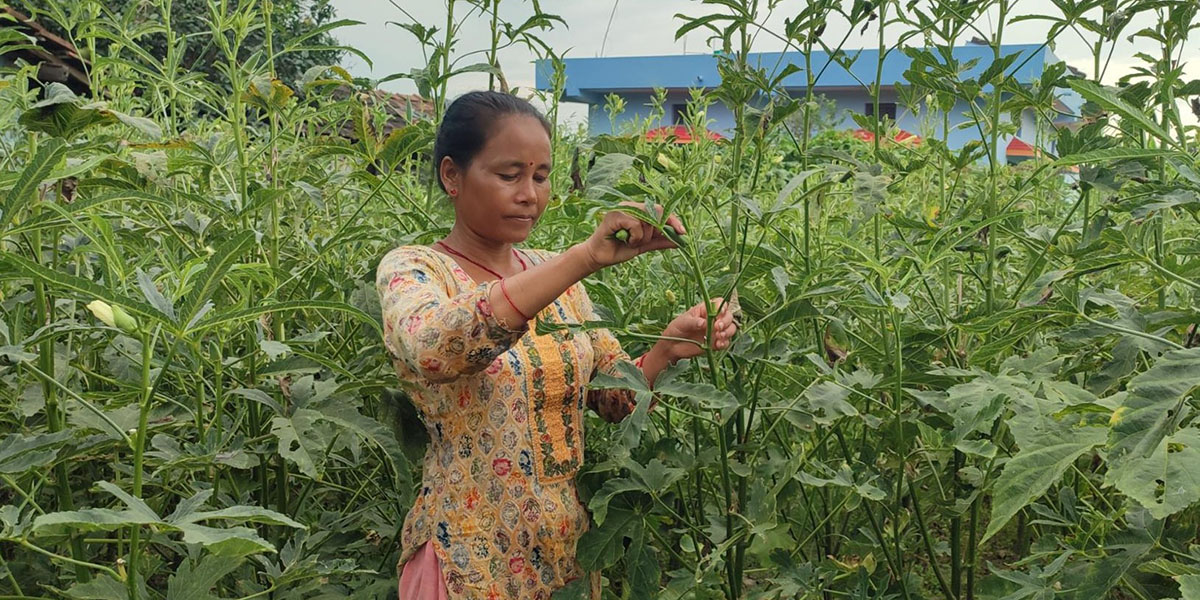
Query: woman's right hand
pixel 605 250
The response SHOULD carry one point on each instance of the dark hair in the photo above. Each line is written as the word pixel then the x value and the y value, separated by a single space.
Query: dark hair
pixel 468 123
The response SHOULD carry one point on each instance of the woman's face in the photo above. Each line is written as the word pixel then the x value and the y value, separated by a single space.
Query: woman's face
pixel 505 189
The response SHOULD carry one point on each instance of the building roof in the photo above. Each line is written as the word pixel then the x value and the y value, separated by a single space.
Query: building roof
pixel 589 79
pixel 57 58
pixel 396 106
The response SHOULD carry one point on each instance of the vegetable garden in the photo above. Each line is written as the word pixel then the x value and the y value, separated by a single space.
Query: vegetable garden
pixel 955 378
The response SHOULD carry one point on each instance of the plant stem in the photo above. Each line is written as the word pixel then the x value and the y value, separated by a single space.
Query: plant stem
pixel 139 448
pixel 43 304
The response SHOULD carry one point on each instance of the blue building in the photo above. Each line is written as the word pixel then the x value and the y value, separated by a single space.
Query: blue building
pixel 635 79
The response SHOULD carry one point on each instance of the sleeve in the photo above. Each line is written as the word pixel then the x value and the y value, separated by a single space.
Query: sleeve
pixel 438 337
pixel 611 405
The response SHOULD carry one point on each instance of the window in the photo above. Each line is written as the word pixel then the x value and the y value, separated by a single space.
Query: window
pixel 679 114
pixel 887 109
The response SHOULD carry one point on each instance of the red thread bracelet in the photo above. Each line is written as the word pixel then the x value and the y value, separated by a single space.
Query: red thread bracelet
pixel 510 302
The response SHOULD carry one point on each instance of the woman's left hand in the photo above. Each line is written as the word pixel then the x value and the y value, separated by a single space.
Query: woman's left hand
pixel 693 325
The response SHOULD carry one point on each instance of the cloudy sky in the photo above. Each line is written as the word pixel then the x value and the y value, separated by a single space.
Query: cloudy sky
pixel 644 27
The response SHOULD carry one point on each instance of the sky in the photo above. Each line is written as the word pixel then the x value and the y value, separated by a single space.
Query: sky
pixel 647 27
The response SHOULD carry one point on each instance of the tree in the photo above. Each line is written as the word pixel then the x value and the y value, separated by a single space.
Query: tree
pixel 290 19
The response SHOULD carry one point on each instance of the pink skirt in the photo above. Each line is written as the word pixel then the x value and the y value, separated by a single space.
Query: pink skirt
pixel 421 577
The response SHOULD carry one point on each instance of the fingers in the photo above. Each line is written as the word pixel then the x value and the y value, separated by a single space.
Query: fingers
pixel 724 326
pixel 675 222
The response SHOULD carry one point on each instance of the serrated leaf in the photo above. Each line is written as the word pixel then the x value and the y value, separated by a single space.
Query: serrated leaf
pixel 229 317
pixel 704 394
pixel 578 589
pixel 152 295
pixel 1168 480
pixel 37 170
pixel 91 519
pixel 642 568
pixel 194 579
pixel 598 504
pixel 602 546
pixel 102 587
pixel 1152 408
pixel 19 453
pixel 1108 100
pixel 188 506
pixel 827 402
pixel 273 349
pixel 228 541
pixel 375 433
pixel 1114 154
pixel 85 288
pixel 608 169
pixel 1048 448
pixel 1189 586
pixel 146 126
pixel 243 514
pixel 218 265
pixel 300 441
pixel 1041 287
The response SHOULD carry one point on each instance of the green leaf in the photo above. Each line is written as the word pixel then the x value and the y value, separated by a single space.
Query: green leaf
pixel 1093 579
pixel 91 519
pixel 194 579
pixel 85 288
pixel 627 377
pixel 598 505
pixel 376 433
pixel 103 587
pixel 827 402
pixel 656 476
pixel 578 589
pixel 25 188
pixel 608 169
pixel 1108 100
pixel 704 394
pixel 602 546
pixel 49 219
pixel 230 541
pixel 641 565
pixel 273 349
pixel 1041 287
pixel 1168 480
pixel 1189 586
pixel 61 116
pixel 218 265
pixel 152 295
pixel 300 441
pixel 146 126
pixel 20 453
pixel 1114 154
pixel 1048 447
pixel 244 514
pixel 1153 406
pixel 251 313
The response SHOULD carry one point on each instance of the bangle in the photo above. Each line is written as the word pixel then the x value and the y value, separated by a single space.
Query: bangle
pixel 510 302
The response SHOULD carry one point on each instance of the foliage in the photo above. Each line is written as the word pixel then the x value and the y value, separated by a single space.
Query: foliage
pixel 955 378
pixel 187 29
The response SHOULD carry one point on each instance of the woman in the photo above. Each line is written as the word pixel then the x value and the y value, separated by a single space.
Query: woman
pixel 497 515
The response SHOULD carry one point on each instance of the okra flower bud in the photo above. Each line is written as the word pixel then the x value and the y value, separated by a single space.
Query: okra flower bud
pixel 113 316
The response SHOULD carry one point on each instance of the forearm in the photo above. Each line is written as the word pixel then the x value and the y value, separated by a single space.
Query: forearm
pixel 536 288
pixel 655 361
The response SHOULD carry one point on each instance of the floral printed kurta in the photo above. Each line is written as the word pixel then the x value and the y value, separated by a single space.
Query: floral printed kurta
pixel 504 410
